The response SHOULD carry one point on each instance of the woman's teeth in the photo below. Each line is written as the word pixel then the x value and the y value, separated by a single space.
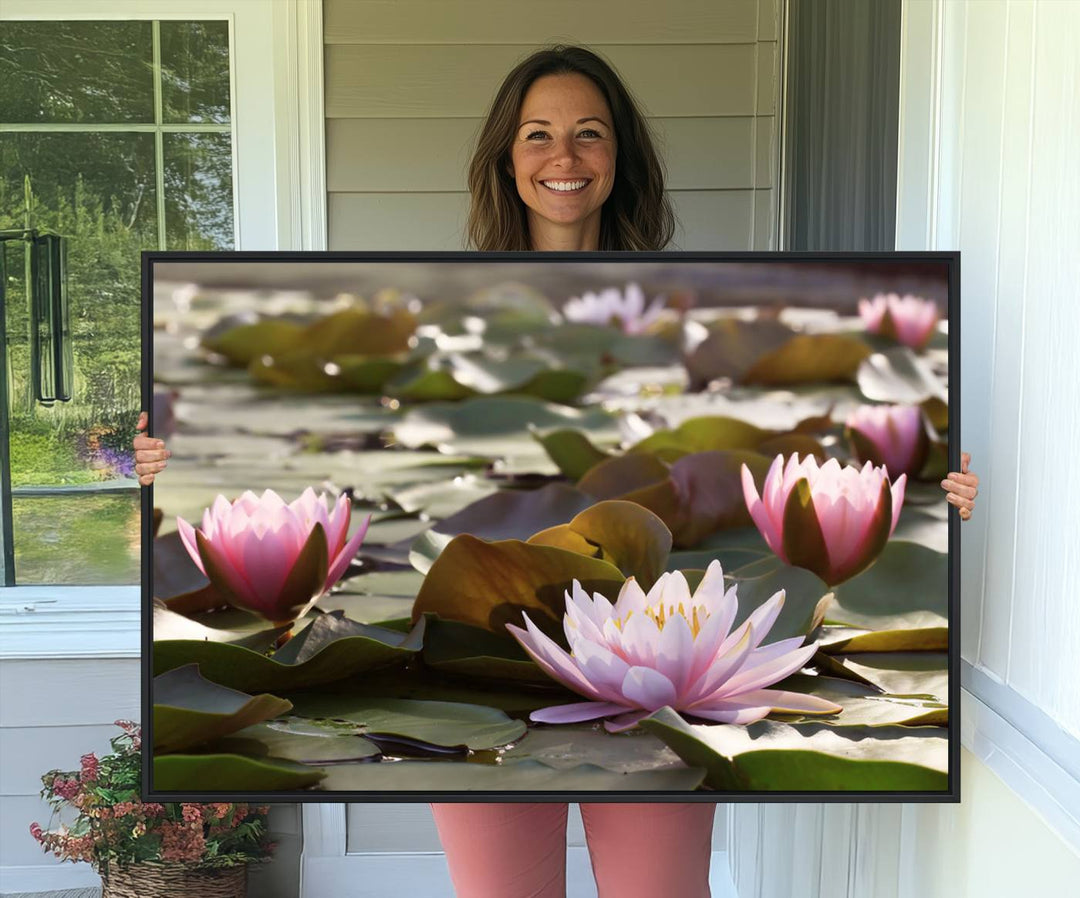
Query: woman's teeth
pixel 564 186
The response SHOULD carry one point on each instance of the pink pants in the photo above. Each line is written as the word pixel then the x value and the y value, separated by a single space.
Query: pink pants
pixel 519 850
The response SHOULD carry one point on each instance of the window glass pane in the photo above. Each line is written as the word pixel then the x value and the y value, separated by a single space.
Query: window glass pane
pixel 76 72
pixel 198 192
pixel 195 71
pixel 82 539
pixel 98 191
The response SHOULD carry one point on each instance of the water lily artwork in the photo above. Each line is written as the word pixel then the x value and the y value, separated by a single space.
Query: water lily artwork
pixel 668 648
pixel 464 526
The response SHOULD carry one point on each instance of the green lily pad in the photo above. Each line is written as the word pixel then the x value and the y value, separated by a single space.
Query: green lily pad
pixel 465 650
pixel 437 723
pixel 846 640
pixel 619 476
pixel 230 774
pixel 491 584
pixel 906 588
pixel 732 348
pixel 805 596
pixel 733 548
pixel 496 426
pixel 569 745
pixel 913 674
pixel 294 740
pixel 253 634
pixel 507 514
pixel 705 434
pixel 702 494
pixel 189 709
pixel 771 756
pixel 520 776
pixel 628 535
pixel 245 342
pixel 899 376
pixel 809 358
pixel 571 450
pixel 865 706
pixel 330 649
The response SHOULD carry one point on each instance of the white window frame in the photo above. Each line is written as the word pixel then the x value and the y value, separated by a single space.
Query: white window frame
pixel 279 189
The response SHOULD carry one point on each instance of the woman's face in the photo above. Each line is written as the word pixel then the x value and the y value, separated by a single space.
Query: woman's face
pixel 563 154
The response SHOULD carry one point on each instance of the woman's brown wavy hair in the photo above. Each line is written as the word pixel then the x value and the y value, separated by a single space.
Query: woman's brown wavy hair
pixel 637 214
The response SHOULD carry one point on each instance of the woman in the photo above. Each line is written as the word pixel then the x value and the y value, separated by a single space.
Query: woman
pixel 565 162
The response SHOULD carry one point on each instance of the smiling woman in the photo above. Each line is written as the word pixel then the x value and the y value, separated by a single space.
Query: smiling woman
pixel 565 161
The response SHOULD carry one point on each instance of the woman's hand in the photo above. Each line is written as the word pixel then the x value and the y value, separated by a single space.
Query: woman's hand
pixel 150 453
pixel 962 487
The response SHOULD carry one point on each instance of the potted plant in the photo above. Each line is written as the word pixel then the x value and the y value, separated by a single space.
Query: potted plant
pixel 145 848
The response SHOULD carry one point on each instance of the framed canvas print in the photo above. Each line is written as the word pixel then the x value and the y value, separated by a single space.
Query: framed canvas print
pixel 627 526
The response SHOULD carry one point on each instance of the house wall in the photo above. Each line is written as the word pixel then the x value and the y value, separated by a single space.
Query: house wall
pixel 989 126
pixel 408 83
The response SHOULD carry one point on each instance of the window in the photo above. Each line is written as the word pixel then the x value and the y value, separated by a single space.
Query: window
pixel 117 135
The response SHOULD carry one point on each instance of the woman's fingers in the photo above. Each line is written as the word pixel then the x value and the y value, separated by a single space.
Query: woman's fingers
pixel 965 485
pixel 149 455
pixel 144 419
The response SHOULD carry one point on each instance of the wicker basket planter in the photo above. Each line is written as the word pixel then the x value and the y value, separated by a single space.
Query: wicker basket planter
pixel 148 880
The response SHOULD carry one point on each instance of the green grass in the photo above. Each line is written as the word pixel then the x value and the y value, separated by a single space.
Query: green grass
pixel 77 540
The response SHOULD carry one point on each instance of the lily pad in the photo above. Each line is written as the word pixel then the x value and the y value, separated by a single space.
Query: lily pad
pixel 496 426
pixel 619 476
pixel 628 535
pixel 462 649
pixel 294 740
pixel 254 634
pixel 864 706
pixel 520 776
pixel 703 494
pixel 805 596
pixel 331 650
pixel 809 358
pixel 906 588
pixel 913 674
pixel 447 724
pixel 567 746
pixel 230 774
pixel 899 376
pixel 772 756
pixel 190 710
pixel 508 514
pixel 571 450
pixel 245 342
pixel 491 584
pixel 732 348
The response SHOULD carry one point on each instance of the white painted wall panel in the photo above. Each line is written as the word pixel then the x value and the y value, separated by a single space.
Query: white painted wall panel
pixel 1045 626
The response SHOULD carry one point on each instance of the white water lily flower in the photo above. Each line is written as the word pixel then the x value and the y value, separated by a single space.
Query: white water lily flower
pixel 669 647
pixel 613 307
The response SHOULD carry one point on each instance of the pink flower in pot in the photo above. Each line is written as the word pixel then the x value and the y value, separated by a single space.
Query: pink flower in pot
pixel 831 520
pixel 271 558
pixel 891 435
pixel 908 319
pixel 670 648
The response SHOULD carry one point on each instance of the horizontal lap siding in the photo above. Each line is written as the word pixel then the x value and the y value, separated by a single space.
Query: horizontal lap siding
pixel 408 84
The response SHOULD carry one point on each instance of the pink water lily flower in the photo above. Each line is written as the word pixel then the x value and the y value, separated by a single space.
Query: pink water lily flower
pixel 612 307
pixel 669 647
pixel 831 520
pixel 891 435
pixel 270 557
pixel 909 319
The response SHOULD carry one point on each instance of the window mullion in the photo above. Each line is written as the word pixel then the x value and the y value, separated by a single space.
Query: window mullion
pixel 159 138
